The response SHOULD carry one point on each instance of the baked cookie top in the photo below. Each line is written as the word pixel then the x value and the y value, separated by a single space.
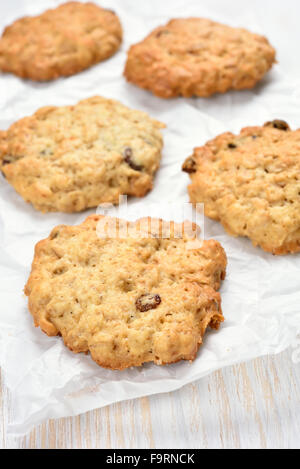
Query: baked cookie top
pixel 60 42
pixel 251 183
pixel 198 57
pixel 145 297
pixel 71 158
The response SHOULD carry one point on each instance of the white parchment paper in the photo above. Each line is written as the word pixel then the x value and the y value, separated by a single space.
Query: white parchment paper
pixel 261 295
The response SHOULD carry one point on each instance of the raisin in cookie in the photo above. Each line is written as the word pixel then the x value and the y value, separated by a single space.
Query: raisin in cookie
pixel 72 158
pixel 251 183
pixel 128 300
pixel 60 42
pixel 198 57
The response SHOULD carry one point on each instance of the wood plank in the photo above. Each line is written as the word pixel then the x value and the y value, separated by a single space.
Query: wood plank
pixel 253 405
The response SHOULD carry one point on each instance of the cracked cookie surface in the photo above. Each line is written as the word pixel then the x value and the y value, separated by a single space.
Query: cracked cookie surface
pixel 60 42
pixel 71 158
pixel 251 183
pixel 127 300
pixel 198 57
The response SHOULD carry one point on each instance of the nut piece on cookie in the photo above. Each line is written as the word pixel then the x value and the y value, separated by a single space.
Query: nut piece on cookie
pixel 68 159
pixel 127 300
pixel 251 183
pixel 198 57
pixel 60 42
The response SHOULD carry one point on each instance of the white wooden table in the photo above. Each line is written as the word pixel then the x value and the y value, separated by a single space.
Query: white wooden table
pixel 253 405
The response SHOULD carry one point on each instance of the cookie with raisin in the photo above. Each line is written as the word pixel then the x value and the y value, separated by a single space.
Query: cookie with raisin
pixel 198 57
pixel 71 158
pixel 60 42
pixel 251 183
pixel 128 293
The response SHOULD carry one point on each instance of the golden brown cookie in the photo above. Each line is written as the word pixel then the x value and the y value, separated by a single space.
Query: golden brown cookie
pixel 198 57
pixel 60 42
pixel 71 158
pixel 145 297
pixel 251 183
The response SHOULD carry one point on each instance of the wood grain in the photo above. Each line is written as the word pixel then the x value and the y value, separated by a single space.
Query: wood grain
pixel 253 405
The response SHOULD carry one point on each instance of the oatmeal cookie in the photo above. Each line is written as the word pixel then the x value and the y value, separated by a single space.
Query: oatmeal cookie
pixel 71 158
pixel 198 57
pixel 60 42
pixel 130 299
pixel 251 183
